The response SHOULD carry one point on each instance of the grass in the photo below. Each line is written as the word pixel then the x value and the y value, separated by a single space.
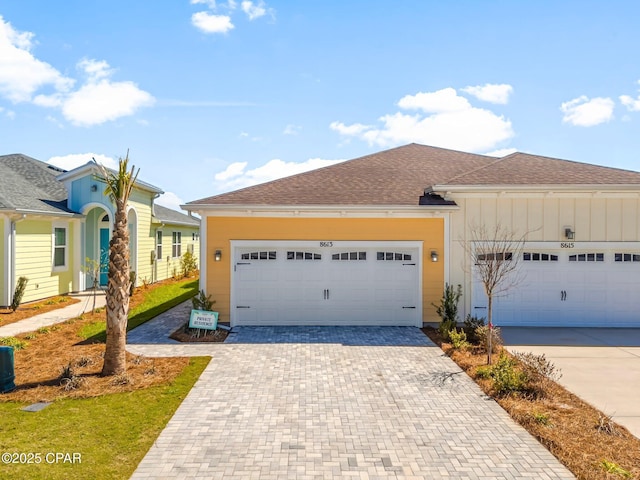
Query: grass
pixel 112 433
pixel 155 301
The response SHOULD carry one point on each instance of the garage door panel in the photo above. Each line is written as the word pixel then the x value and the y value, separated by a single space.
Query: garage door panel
pixel 333 286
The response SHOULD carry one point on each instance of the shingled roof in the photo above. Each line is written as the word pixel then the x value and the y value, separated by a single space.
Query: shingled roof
pixel 31 185
pixel 402 175
pixel 398 176
pixel 167 215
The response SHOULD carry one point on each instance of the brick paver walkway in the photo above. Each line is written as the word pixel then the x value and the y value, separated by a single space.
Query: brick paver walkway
pixel 348 405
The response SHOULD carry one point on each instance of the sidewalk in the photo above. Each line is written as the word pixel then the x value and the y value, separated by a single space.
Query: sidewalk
pixel 55 316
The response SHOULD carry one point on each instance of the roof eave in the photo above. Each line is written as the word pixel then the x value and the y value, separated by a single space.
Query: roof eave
pixel 600 187
pixel 263 207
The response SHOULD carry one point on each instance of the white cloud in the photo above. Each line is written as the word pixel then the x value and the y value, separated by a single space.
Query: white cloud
pixel 253 10
pixel 492 93
pixel 632 104
pixel 448 120
pixel 585 112
pixel 236 176
pixel 501 152
pixel 170 200
pixel 209 23
pixel 8 113
pixel 291 129
pixel 74 160
pixel 21 74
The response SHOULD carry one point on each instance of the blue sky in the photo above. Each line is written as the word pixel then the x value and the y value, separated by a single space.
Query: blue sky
pixel 212 96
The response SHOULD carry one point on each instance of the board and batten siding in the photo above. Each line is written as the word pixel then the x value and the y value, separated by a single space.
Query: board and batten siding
pixel 594 217
pixel 221 230
pixel 140 201
pixel 34 259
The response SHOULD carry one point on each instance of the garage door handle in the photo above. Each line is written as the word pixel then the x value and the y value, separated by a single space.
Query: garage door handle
pixel 409 307
pixel 408 264
pixel 243 306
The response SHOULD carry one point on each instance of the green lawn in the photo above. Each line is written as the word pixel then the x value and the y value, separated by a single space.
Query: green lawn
pixel 155 302
pixel 110 434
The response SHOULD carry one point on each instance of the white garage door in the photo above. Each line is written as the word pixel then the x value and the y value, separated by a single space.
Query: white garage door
pixel 595 288
pixel 338 283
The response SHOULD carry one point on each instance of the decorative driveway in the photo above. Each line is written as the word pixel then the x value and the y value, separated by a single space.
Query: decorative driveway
pixel 319 403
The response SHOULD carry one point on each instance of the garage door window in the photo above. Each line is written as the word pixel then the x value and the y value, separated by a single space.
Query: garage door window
pixel 539 257
pixel 587 257
pixel 304 256
pixel 627 257
pixel 393 256
pixel 258 256
pixel 349 256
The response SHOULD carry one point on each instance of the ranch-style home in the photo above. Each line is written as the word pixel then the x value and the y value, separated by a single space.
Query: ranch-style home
pixel 374 240
pixel 55 225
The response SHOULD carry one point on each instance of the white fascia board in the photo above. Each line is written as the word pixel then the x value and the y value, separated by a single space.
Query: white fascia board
pixel 321 211
pixel 589 189
pixel 91 168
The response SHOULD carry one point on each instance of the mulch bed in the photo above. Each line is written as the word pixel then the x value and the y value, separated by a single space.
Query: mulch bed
pixel 191 335
pixel 580 436
pixel 27 310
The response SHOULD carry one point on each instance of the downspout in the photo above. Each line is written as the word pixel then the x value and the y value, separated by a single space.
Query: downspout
pixel 12 259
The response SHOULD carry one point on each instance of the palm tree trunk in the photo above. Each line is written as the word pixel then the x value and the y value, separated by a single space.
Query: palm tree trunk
pixel 117 295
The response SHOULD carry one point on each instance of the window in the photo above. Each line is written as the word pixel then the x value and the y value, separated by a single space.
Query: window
pixel 392 256
pixel 304 256
pixel 498 257
pixel 259 256
pixel 349 256
pixel 59 248
pixel 587 257
pixel 176 245
pixel 627 257
pixel 159 245
pixel 539 257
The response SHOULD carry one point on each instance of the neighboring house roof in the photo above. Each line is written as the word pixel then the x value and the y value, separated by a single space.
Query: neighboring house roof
pixel 173 217
pixel 31 185
pixel 414 175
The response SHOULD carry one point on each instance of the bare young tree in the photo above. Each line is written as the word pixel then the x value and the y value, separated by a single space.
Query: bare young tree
pixel 496 255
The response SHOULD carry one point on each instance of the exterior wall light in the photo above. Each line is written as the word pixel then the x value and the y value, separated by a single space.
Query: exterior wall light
pixel 94 188
pixel 218 255
pixel 570 234
pixel 434 256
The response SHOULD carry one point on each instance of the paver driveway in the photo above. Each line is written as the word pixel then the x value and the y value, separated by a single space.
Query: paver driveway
pixel 387 404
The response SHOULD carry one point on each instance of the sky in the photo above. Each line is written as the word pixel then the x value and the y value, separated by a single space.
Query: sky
pixel 210 96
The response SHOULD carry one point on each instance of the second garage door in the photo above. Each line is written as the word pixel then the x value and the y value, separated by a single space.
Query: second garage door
pixel 595 287
pixel 326 283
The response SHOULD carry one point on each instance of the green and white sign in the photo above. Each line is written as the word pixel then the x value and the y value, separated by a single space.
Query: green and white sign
pixel 203 319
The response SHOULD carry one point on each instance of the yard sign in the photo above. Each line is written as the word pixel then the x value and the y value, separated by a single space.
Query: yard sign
pixel 203 319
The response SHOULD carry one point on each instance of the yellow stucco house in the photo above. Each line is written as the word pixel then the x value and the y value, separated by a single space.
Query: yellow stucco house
pixel 372 241
pixel 54 225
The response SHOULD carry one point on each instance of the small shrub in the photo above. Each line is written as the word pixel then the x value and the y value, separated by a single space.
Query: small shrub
pixel 538 367
pixel 137 360
pixel 67 372
pixel 174 273
pixel 43 330
pixel 605 424
pixel 31 336
pixel 122 379
pixel 507 378
pixel 14 342
pixel 470 326
pixel 615 469
pixel 458 339
pixel 483 371
pixel 145 283
pixel 151 370
pixel 496 338
pixel 448 309
pixel 541 418
pixel 202 301
pixel 188 264
pixel 19 292
pixel 84 361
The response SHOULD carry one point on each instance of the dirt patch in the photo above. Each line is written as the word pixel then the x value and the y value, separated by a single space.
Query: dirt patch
pixel 580 436
pixel 39 366
pixel 27 310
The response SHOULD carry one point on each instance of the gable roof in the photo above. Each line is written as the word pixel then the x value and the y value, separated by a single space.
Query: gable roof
pixel 31 185
pixel 398 176
pixel 414 174
pixel 167 215
pixel 93 168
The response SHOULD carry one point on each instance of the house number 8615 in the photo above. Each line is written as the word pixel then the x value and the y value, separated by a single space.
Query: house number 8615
pixel 326 244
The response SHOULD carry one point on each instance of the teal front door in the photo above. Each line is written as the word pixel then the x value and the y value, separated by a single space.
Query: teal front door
pixel 104 255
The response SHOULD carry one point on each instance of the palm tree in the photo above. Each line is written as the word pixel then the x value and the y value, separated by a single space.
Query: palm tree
pixel 118 188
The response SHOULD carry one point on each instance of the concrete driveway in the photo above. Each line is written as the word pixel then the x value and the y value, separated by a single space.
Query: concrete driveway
pixel 600 365
pixel 330 402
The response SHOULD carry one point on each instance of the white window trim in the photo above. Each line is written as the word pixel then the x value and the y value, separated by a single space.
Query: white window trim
pixel 161 245
pixel 65 227
pixel 175 234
